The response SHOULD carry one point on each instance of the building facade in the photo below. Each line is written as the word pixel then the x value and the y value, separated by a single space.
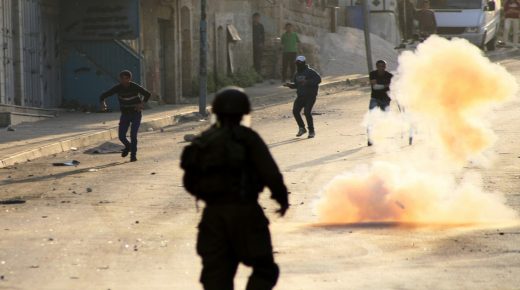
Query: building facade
pixel 66 52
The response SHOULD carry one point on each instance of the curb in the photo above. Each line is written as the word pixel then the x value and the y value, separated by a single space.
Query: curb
pixel 85 140
pixel 112 133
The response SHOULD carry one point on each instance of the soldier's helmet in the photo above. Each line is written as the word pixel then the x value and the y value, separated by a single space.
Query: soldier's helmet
pixel 231 101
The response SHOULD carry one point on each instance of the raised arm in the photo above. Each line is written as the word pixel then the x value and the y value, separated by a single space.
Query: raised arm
pixel 108 93
pixel 269 172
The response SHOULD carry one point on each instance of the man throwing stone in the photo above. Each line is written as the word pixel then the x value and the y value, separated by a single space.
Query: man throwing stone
pixel 306 81
pixel 131 106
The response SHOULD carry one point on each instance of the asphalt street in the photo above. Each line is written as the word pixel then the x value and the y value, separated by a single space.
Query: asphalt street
pixel 111 224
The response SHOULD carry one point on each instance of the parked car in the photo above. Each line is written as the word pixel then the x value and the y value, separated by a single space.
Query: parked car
pixel 475 20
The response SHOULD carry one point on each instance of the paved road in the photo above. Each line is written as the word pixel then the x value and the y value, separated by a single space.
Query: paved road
pixel 132 226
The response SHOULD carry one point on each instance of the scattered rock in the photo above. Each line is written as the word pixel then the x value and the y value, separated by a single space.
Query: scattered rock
pixel 150 130
pixel 16 200
pixel 67 163
pixel 34 267
pixel 89 189
pixel 2 277
pixel 44 217
pixel 136 222
pixel 153 173
pixel 11 129
pixel 162 130
pixel 93 170
pixel 501 233
pixel 73 148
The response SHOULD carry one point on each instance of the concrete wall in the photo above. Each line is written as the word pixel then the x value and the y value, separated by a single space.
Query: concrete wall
pixel 160 42
pixel 221 14
pixel 309 23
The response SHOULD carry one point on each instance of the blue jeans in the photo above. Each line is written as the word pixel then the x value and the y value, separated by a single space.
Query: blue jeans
pixel 381 104
pixel 132 121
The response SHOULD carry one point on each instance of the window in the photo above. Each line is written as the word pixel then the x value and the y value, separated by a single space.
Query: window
pixel 456 4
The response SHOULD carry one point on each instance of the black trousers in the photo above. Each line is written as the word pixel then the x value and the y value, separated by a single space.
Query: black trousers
pixel 258 56
pixel 231 234
pixel 288 63
pixel 306 104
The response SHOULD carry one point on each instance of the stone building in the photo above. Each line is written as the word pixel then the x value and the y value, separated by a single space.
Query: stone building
pixel 66 52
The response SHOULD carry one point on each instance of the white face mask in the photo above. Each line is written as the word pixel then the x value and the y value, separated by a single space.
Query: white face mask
pixel 246 120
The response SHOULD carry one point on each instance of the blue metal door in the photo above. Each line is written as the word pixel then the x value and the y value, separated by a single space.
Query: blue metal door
pixel 94 50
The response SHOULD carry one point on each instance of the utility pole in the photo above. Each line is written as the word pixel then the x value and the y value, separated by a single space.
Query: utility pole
pixel 368 45
pixel 203 90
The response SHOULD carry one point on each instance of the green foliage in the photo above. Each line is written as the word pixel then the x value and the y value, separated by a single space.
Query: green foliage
pixel 242 78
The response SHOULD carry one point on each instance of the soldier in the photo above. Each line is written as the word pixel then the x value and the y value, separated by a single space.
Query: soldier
pixel 131 106
pixel 227 166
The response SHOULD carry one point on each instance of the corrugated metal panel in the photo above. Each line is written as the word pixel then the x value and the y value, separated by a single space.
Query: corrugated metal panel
pixel 51 58
pixel 31 48
pixel 7 53
pixel 91 67
pixel 110 57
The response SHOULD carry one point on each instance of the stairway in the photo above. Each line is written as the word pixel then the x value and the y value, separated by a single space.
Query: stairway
pixel 13 115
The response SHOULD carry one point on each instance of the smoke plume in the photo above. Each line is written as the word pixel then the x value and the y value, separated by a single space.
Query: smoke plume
pixel 449 90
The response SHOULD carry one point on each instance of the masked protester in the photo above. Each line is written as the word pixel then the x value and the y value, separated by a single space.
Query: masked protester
pixel 227 166
pixel 380 81
pixel 131 106
pixel 306 81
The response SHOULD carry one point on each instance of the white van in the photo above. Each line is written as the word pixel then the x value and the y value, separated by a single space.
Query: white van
pixel 475 20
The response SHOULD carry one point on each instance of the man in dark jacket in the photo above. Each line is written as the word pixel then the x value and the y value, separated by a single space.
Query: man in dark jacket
pixel 258 42
pixel 231 166
pixel 131 106
pixel 380 81
pixel 426 18
pixel 306 81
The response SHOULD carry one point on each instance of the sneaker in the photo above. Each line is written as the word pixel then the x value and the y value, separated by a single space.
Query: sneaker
pixel 133 159
pixel 125 152
pixel 312 134
pixel 301 132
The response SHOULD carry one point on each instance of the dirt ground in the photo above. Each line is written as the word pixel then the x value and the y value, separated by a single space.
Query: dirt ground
pixel 132 226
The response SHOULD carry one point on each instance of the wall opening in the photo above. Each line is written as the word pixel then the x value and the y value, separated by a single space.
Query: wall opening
pixel 222 52
pixel 167 60
pixel 186 59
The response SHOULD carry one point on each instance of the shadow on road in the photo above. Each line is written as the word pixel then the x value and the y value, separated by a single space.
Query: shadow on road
pixel 325 159
pixel 59 175
pixel 363 225
pixel 286 142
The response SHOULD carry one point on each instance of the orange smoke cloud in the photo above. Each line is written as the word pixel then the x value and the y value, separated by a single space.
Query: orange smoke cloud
pixel 449 88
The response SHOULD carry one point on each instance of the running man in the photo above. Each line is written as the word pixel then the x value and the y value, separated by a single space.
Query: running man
pixel 131 106
pixel 380 81
pixel 306 81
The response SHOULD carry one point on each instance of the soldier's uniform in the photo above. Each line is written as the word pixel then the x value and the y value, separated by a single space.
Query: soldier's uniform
pixel 234 228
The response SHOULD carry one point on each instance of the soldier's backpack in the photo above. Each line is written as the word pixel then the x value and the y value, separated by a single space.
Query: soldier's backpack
pixel 214 164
